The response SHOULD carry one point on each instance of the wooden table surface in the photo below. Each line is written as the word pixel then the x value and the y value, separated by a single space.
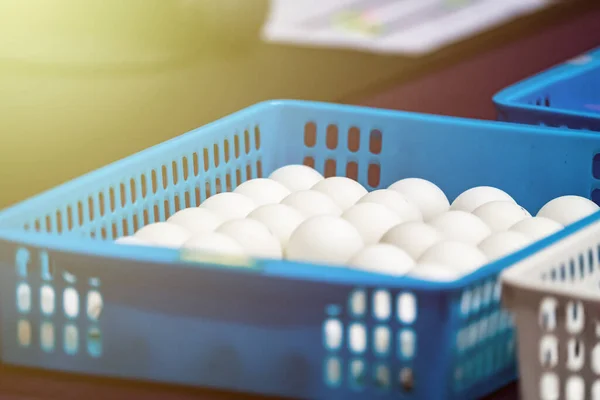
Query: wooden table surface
pixel 462 89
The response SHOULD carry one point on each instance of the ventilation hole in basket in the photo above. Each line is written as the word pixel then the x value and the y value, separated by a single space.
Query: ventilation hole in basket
pixel 462 340
pixel 23 298
pixel 24 333
pixel 333 331
pixel 352 170
pixel 94 342
pixel 115 230
pixel 465 303
pixel 547 101
pixel 132 192
pixel 48 226
pixel 247 141
pixel 382 340
pixel 195 164
pixel 575 317
pixel 407 344
pixel 596 166
pixel 90 208
pixel 548 351
pixel 259 169
pixel 590 260
pixel 177 203
pixel 382 305
pixel 309 161
pixel 406 380
pixel 330 168
pixel 59 221
pixel 375 141
pixel 238 177
pixel 125 227
pixel 331 137
pixel 236 146
pixel 358 374
pixel 216 155
pixel 187 199
pixel 95 305
pixel 164 177
pixel 572 269
pixel 47 336
pixel 226 154
pixel 257 137
pixel 175 172
pixel 562 272
pixel 357 335
pixel 146 216
pixel 381 377
pixel 310 134
pixel 167 210
pixel 71 339
pixel 248 172
pixel 205 159
pixel 153 183
pixel 374 175
pixel 581 264
pixel 101 207
pixel 155 215
pixel 357 303
pixel 353 139
pixel 228 182
pixel 333 371
pixel 575 388
pixel 538 101
pixel 46 269
pixel 136 224
pixel 575 354
pixel 547 314
pixel 71 302
pixel 198 194
pixel 185 167
pixel 407 308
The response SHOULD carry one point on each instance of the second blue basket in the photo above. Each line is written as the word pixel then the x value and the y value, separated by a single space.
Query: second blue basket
pixel 565 96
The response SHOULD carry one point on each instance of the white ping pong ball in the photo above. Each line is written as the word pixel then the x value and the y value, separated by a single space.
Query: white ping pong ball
pixel 461 226
pixel 371 220
pixel 472 198
pixel 427 196
pixel 461 256
pixel 132 241
pixel 412 237
pixel 196 220
pixel 311 203
pixel 568 209
pixel 296 177
pixel 537 228
pixel 344 192
pixel 263 191
pixel 163 234
pixel 382 258
pixel 254 237
pixel 214 243
pixel 500 215
pixel 501 244
pixel 435 273
pixel 229 205
pixel 396 202
pixel 324 239
pixel 281 220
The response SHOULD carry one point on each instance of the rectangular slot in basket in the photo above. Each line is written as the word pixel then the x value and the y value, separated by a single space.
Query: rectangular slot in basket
pixel 565 96
pixel 73 301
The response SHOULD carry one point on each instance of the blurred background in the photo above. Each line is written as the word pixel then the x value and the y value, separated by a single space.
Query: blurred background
pixel 85 83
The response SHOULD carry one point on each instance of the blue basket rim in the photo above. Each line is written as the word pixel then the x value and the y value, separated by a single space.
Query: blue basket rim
pixel 292 270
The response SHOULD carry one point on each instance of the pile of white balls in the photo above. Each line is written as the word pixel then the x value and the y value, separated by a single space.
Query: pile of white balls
pixel 410 228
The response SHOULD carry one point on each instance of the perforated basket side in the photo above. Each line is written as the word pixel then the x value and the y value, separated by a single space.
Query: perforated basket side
pixel 554 297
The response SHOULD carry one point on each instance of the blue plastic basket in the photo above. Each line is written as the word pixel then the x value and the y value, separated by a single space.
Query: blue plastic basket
pixel 260 327
pixel 566 96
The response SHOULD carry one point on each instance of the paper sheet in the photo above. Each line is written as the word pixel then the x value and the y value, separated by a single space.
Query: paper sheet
pixel 388 26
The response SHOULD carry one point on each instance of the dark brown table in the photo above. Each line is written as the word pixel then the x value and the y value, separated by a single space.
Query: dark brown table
pixel 458 81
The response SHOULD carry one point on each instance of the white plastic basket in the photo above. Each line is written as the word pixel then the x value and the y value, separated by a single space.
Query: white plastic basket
pixel 554 296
